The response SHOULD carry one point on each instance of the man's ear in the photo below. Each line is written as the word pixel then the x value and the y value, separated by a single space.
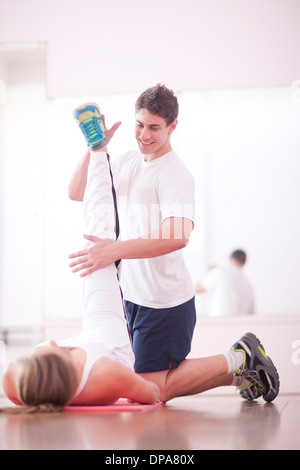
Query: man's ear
pixel 173 126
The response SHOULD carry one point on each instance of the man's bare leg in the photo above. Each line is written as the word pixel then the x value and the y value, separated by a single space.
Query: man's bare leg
pixel 191 377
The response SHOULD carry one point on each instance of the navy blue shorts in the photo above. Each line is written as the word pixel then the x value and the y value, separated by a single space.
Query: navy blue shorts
pixel 161 338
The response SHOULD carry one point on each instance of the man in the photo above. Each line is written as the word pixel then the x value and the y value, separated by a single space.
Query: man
pixel 231 292
pixel 156 202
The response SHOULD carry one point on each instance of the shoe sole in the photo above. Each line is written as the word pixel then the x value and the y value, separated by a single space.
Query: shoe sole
pixel 80 108
pixel 84 106
pixel 269 369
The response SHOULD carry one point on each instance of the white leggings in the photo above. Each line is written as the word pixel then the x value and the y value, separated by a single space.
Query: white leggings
pixel 104 318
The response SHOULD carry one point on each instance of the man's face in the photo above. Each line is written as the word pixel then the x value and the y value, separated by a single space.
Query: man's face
pixel 153 134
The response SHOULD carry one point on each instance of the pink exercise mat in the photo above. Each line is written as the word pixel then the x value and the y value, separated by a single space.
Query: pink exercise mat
pixel 120 405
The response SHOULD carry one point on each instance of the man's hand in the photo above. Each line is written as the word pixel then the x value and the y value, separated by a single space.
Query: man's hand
pixel 97 256
pixel 109 133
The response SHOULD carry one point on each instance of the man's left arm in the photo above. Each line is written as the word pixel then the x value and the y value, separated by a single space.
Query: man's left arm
pixel 173 235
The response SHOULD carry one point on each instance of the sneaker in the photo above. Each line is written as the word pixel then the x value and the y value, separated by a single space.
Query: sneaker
pixel 257 369
pixel 89 119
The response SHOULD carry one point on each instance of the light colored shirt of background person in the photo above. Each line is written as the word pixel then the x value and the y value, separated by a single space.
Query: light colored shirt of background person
pixel 230 292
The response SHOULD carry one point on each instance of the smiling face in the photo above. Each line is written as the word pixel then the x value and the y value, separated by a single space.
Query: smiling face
pixel 153 134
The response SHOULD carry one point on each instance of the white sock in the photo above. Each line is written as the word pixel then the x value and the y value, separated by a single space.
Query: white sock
pixel 234 360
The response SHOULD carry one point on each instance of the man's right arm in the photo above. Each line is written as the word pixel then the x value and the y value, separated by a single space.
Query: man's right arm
pixel 78 182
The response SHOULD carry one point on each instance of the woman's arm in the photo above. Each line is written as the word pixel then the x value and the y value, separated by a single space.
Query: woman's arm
pixel 135 388
pixel 110 380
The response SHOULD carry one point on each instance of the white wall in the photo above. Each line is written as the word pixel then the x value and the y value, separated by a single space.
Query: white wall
pixel 242 148
pixel 99 46
pixel 22 195
pixel 232 65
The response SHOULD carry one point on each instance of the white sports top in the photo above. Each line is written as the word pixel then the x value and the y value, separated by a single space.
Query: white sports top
pixel 94 351
pixel 148 193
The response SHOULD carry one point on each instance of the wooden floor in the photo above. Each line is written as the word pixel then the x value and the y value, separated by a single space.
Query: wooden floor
pixel 201 422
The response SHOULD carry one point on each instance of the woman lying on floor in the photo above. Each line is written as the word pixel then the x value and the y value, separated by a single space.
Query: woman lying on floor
pixel 95 367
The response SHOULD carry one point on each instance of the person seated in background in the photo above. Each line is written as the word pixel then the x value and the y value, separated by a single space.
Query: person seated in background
pixel 230 291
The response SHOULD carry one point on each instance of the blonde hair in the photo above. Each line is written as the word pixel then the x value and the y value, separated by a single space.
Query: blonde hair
pixel 45 383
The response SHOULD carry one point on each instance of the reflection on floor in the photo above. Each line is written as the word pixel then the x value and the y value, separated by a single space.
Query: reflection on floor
pixel 189 423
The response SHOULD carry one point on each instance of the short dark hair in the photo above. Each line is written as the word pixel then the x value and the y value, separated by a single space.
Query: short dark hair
pixel 160 101
pixel 239 256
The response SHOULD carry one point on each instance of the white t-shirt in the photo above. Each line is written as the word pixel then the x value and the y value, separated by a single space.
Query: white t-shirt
pixel 230 292
pixel 148 193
